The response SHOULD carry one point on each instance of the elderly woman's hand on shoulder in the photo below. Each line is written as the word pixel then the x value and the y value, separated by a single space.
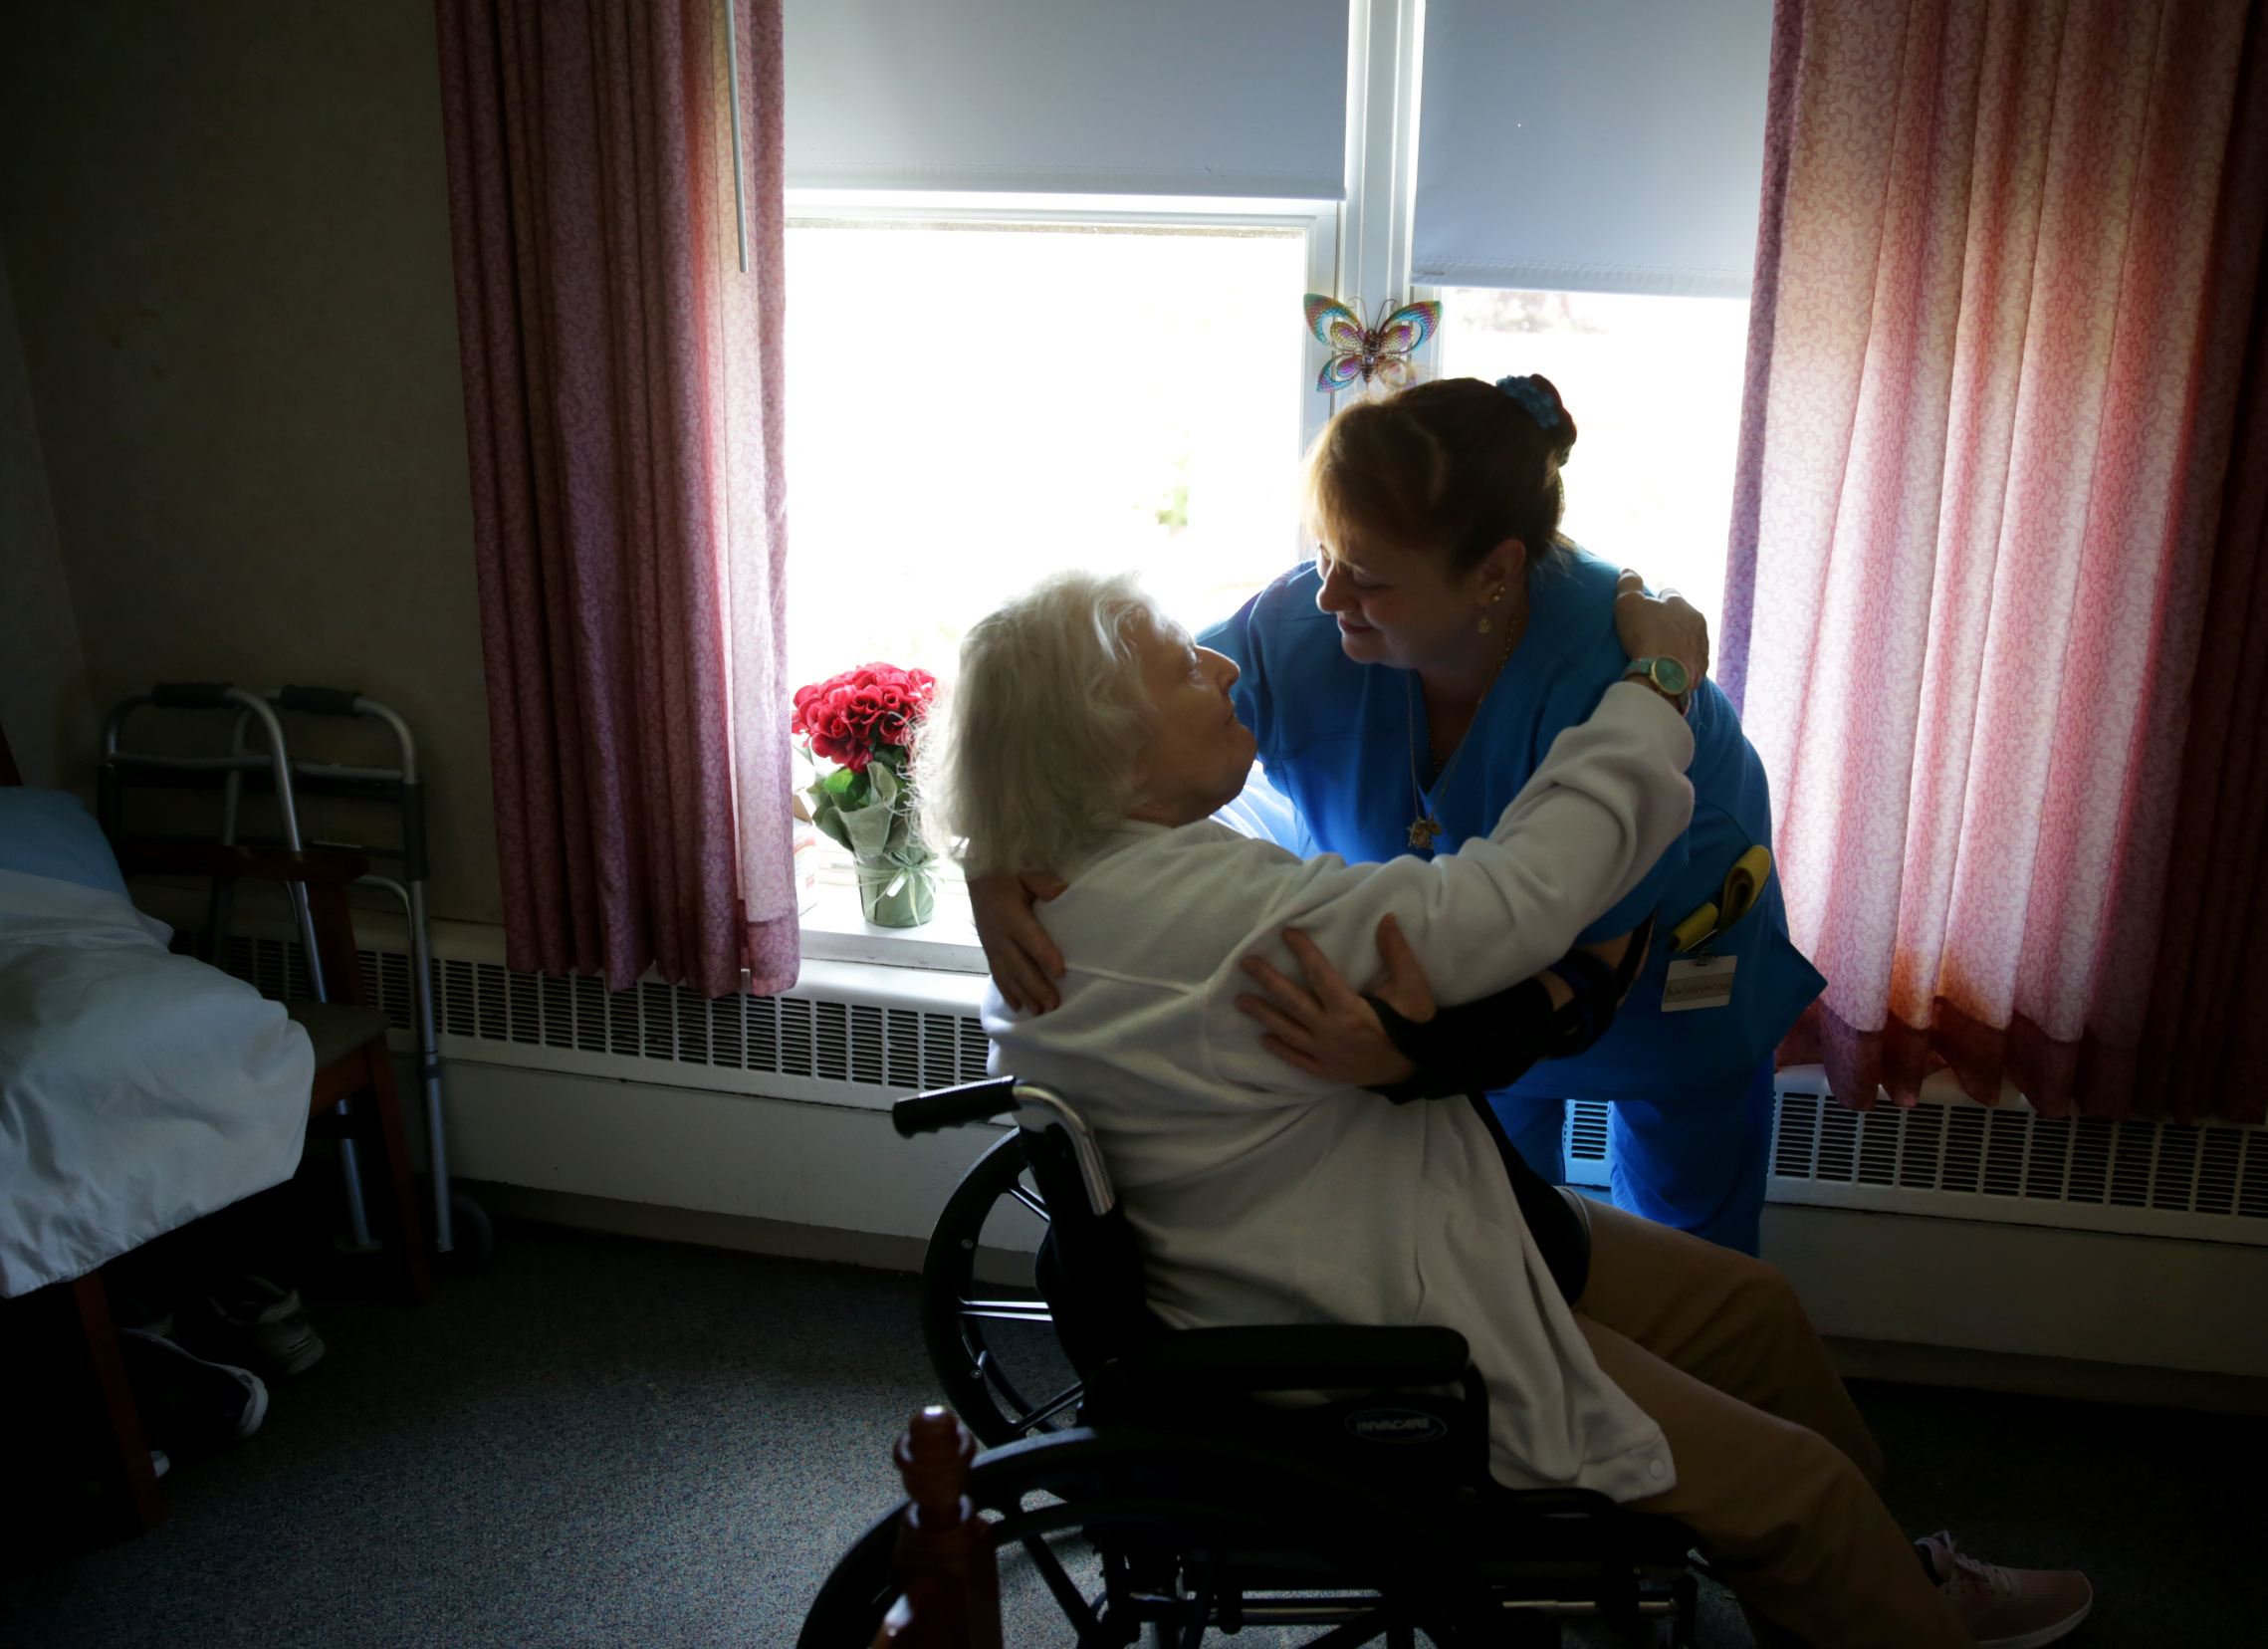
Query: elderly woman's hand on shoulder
pixel 1660 626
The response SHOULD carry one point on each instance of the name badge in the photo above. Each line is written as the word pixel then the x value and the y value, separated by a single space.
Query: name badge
pixel 1702 982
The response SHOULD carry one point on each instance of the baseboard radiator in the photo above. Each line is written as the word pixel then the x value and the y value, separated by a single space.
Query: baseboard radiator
pixel 861 1043
pixel 865 1036
pixel 2005 1163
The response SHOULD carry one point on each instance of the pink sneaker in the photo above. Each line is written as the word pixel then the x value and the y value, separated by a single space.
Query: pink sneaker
pixel 2006 1609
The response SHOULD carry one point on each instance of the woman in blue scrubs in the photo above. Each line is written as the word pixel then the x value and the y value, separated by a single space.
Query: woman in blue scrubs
pixel 1404 687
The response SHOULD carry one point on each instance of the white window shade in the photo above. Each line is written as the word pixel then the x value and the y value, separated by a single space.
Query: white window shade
pixel 1241 97
pixel 1614 145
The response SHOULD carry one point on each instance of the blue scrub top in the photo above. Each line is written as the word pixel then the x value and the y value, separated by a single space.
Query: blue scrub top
pixel 1334 736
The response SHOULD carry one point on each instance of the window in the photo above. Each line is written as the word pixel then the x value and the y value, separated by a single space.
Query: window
pixel 976 402
pixel 984 391
pixel 1654 384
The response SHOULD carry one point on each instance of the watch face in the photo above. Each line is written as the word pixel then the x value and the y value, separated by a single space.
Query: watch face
pixel 1672 677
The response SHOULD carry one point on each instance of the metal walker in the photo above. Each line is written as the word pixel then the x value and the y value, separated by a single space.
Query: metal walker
pixel 461 1226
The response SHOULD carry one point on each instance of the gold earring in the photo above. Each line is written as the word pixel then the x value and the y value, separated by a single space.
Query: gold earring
pixel 1485 626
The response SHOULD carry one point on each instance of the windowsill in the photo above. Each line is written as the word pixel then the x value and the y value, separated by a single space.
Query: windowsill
pixel 836 931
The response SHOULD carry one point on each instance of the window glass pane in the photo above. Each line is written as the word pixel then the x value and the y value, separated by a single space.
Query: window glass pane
pixel 971 406
pixel 1654 384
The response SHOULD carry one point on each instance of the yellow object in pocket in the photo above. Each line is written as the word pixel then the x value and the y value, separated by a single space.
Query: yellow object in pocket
pixel 1734 900
pixel 1694 930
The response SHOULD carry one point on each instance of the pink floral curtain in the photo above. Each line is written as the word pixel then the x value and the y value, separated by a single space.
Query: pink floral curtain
pixel 1993 376
pixel 623 395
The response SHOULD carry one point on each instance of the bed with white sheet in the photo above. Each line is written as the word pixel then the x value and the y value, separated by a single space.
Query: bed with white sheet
pixel 139 1089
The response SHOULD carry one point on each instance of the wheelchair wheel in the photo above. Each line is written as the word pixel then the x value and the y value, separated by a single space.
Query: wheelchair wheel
pixel 1108 1540
pixel 991 1343
pixel 857 1593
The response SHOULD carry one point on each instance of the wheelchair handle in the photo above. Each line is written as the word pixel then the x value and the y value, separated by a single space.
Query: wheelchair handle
pixel 1037 1108
pixel 1043 1111
pixel 953 1108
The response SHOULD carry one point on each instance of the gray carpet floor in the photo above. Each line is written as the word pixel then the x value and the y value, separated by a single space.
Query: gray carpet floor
pixel 603 1441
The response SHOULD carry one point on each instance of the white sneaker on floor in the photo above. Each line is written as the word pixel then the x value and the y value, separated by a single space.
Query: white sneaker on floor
pixel 185 1401
pixel 2006 1609
pixel 270 1324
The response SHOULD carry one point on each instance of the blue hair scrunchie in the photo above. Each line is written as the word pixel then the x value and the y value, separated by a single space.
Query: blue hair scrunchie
pixel 1536 401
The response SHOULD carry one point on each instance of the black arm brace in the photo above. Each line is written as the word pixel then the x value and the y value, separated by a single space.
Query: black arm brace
pixel 1490 1044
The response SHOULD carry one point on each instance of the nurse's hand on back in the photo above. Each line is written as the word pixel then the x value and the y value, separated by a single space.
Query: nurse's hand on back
pixel 1022 960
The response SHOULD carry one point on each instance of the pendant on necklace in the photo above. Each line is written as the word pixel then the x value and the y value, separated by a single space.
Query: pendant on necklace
pixel 1422 832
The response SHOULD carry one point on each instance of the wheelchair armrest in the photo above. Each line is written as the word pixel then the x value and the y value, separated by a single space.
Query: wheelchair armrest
pixel 1322 1356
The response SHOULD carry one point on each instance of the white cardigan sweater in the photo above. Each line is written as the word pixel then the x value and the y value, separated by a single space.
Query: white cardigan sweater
pixel 1262 1195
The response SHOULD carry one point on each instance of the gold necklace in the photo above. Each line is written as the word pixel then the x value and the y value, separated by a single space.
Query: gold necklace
pixel 1427 827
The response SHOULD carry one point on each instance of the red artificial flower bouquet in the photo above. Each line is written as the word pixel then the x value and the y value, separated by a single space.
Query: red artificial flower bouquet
pixel 855 716
pixel 867 720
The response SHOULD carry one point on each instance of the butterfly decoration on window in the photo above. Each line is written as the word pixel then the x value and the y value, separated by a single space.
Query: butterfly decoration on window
pixel 1360 354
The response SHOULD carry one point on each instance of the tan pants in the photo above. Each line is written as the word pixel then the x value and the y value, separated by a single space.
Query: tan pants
pixel 1775 1469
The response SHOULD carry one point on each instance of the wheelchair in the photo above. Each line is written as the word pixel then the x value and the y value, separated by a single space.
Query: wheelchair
pixel 1184 1502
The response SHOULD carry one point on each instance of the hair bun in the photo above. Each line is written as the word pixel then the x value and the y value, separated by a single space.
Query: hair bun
pixel 1539 397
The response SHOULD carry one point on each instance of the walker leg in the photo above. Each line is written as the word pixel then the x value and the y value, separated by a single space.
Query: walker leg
pixel 429 1068
pixel 437 1154
pixel 358 1214
pixel 217 906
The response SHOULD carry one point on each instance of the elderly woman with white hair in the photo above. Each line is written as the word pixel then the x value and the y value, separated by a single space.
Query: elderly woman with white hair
pixel 1092 738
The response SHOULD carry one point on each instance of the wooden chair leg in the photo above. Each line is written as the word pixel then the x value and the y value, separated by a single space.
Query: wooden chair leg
pixel 75 1466
pixel 128 1447
pixel 397 1204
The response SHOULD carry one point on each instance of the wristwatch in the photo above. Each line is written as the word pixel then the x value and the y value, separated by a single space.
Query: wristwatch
pixel 1665 676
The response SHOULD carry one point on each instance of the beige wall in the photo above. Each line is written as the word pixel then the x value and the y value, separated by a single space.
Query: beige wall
pixel 227 225
pixel 44 707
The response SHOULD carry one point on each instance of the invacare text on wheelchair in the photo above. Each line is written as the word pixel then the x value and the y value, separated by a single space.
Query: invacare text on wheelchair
pixel 1161 1495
